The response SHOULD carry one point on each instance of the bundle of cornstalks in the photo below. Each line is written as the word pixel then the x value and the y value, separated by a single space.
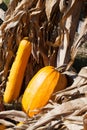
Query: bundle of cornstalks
pixel 51 27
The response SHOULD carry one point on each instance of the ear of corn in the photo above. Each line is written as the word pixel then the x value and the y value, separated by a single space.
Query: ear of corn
pixel 16 75
pixel 40 89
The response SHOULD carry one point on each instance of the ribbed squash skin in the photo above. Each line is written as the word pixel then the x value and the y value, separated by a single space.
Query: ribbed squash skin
pixel 16 75
pixel 40 89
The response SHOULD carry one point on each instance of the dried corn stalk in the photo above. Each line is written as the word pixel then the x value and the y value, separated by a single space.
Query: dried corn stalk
pixel 51 30
pixel 47 28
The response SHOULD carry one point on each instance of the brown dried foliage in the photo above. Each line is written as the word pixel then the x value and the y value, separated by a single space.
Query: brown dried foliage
pixel 50 26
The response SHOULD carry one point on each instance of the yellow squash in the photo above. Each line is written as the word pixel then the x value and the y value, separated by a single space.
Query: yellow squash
pixel 40 89
pixel 16 75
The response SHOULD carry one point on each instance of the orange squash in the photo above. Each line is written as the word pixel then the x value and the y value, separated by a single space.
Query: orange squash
pixel 16 75
pixel 40 89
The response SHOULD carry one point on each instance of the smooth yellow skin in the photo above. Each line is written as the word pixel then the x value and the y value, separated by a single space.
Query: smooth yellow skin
pixel 16 75
pixel 40 89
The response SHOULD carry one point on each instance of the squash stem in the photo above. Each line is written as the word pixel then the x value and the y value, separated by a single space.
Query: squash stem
pixel 61 68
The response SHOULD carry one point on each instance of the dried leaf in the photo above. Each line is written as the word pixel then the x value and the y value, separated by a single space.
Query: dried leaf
pixel 85 121
pixel 50 26
pixel 14 115
pixel 49 8
pixel 65 108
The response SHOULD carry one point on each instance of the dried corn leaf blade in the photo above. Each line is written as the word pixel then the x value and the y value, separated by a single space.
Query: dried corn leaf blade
pixel 49 8
pixel 62 110
pixel 49 32
pixel 66 115
pixel 73 126
pixel 68 30
pixel 77 89
pixel 80 40
pixel 11 118
pixel 13 114
pixel 53 115
pixel 29 18
pixel 6 123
